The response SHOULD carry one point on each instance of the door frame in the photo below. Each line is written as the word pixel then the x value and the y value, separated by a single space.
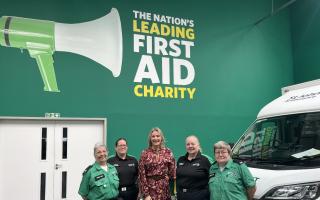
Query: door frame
pixel 104 120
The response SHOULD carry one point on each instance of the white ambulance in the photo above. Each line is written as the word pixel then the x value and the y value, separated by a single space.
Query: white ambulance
pixel 282 147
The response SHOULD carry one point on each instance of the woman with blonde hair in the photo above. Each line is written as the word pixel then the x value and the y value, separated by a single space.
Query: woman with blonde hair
pixel 193 172
pixel 156 168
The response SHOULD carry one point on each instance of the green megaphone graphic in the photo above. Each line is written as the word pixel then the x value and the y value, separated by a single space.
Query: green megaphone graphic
pixel 100 40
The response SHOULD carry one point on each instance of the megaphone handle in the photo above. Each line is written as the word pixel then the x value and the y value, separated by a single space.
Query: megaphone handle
pixel 45 64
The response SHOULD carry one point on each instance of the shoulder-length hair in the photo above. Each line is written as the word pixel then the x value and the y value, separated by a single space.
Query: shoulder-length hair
pixel 157 129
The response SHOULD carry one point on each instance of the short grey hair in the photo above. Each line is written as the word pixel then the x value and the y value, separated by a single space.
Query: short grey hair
pixel 197 139
pixel 222 145
pixel 97 145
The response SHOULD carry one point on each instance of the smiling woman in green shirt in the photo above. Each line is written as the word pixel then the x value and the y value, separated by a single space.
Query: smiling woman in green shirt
pixel 100 181
pixel 229 180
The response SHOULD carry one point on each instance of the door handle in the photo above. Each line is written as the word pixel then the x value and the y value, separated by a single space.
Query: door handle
pixel 57 166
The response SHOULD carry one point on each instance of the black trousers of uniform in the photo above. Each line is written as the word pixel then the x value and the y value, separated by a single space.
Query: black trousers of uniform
pixel 130 194
pixel 109 199
pixel 203 194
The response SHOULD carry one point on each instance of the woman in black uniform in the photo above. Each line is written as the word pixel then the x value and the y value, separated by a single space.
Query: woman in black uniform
pixel 127 167
pixel 193 173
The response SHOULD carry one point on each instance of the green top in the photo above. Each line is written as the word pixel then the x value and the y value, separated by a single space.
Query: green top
pixel 231 183
pixel 98 184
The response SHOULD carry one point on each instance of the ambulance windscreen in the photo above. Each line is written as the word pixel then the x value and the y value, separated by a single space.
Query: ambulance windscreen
pixel 281 139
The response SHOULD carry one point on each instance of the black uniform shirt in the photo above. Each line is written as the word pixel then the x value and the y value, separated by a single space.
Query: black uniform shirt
pixel 127 169
pixel 193 174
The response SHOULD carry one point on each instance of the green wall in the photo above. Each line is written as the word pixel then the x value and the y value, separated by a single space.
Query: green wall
pixel 305 16
pixel 239 68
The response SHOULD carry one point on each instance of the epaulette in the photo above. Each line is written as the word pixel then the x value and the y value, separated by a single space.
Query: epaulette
pixel 240 162
pixel 86 170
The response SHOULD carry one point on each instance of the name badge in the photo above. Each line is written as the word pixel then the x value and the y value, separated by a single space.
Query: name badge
pixel 101 176
pixel 212 175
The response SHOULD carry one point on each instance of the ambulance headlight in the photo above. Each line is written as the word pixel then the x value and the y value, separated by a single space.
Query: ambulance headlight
pixel 306 191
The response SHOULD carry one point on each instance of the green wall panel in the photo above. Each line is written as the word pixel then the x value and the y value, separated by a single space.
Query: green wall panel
pixel 305 40
pixel 239 67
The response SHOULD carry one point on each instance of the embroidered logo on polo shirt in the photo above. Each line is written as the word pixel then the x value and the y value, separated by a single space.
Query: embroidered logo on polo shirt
pixel 196 164
pixel 232 174
pixel 181 163
pixel 131 164
pixel 116 165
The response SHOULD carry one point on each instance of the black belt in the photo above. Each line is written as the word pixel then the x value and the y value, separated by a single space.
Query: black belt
pixel 191 189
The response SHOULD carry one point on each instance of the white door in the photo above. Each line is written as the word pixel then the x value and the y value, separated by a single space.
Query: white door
pixel 44 159
pixel 74 144
pixel 23 163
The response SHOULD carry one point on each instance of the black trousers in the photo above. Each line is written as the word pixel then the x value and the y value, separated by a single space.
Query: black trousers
pixel 130 194
pixel 203 194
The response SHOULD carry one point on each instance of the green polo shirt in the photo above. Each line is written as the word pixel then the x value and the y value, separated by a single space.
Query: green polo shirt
pixel 98 184
pixel 231 183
